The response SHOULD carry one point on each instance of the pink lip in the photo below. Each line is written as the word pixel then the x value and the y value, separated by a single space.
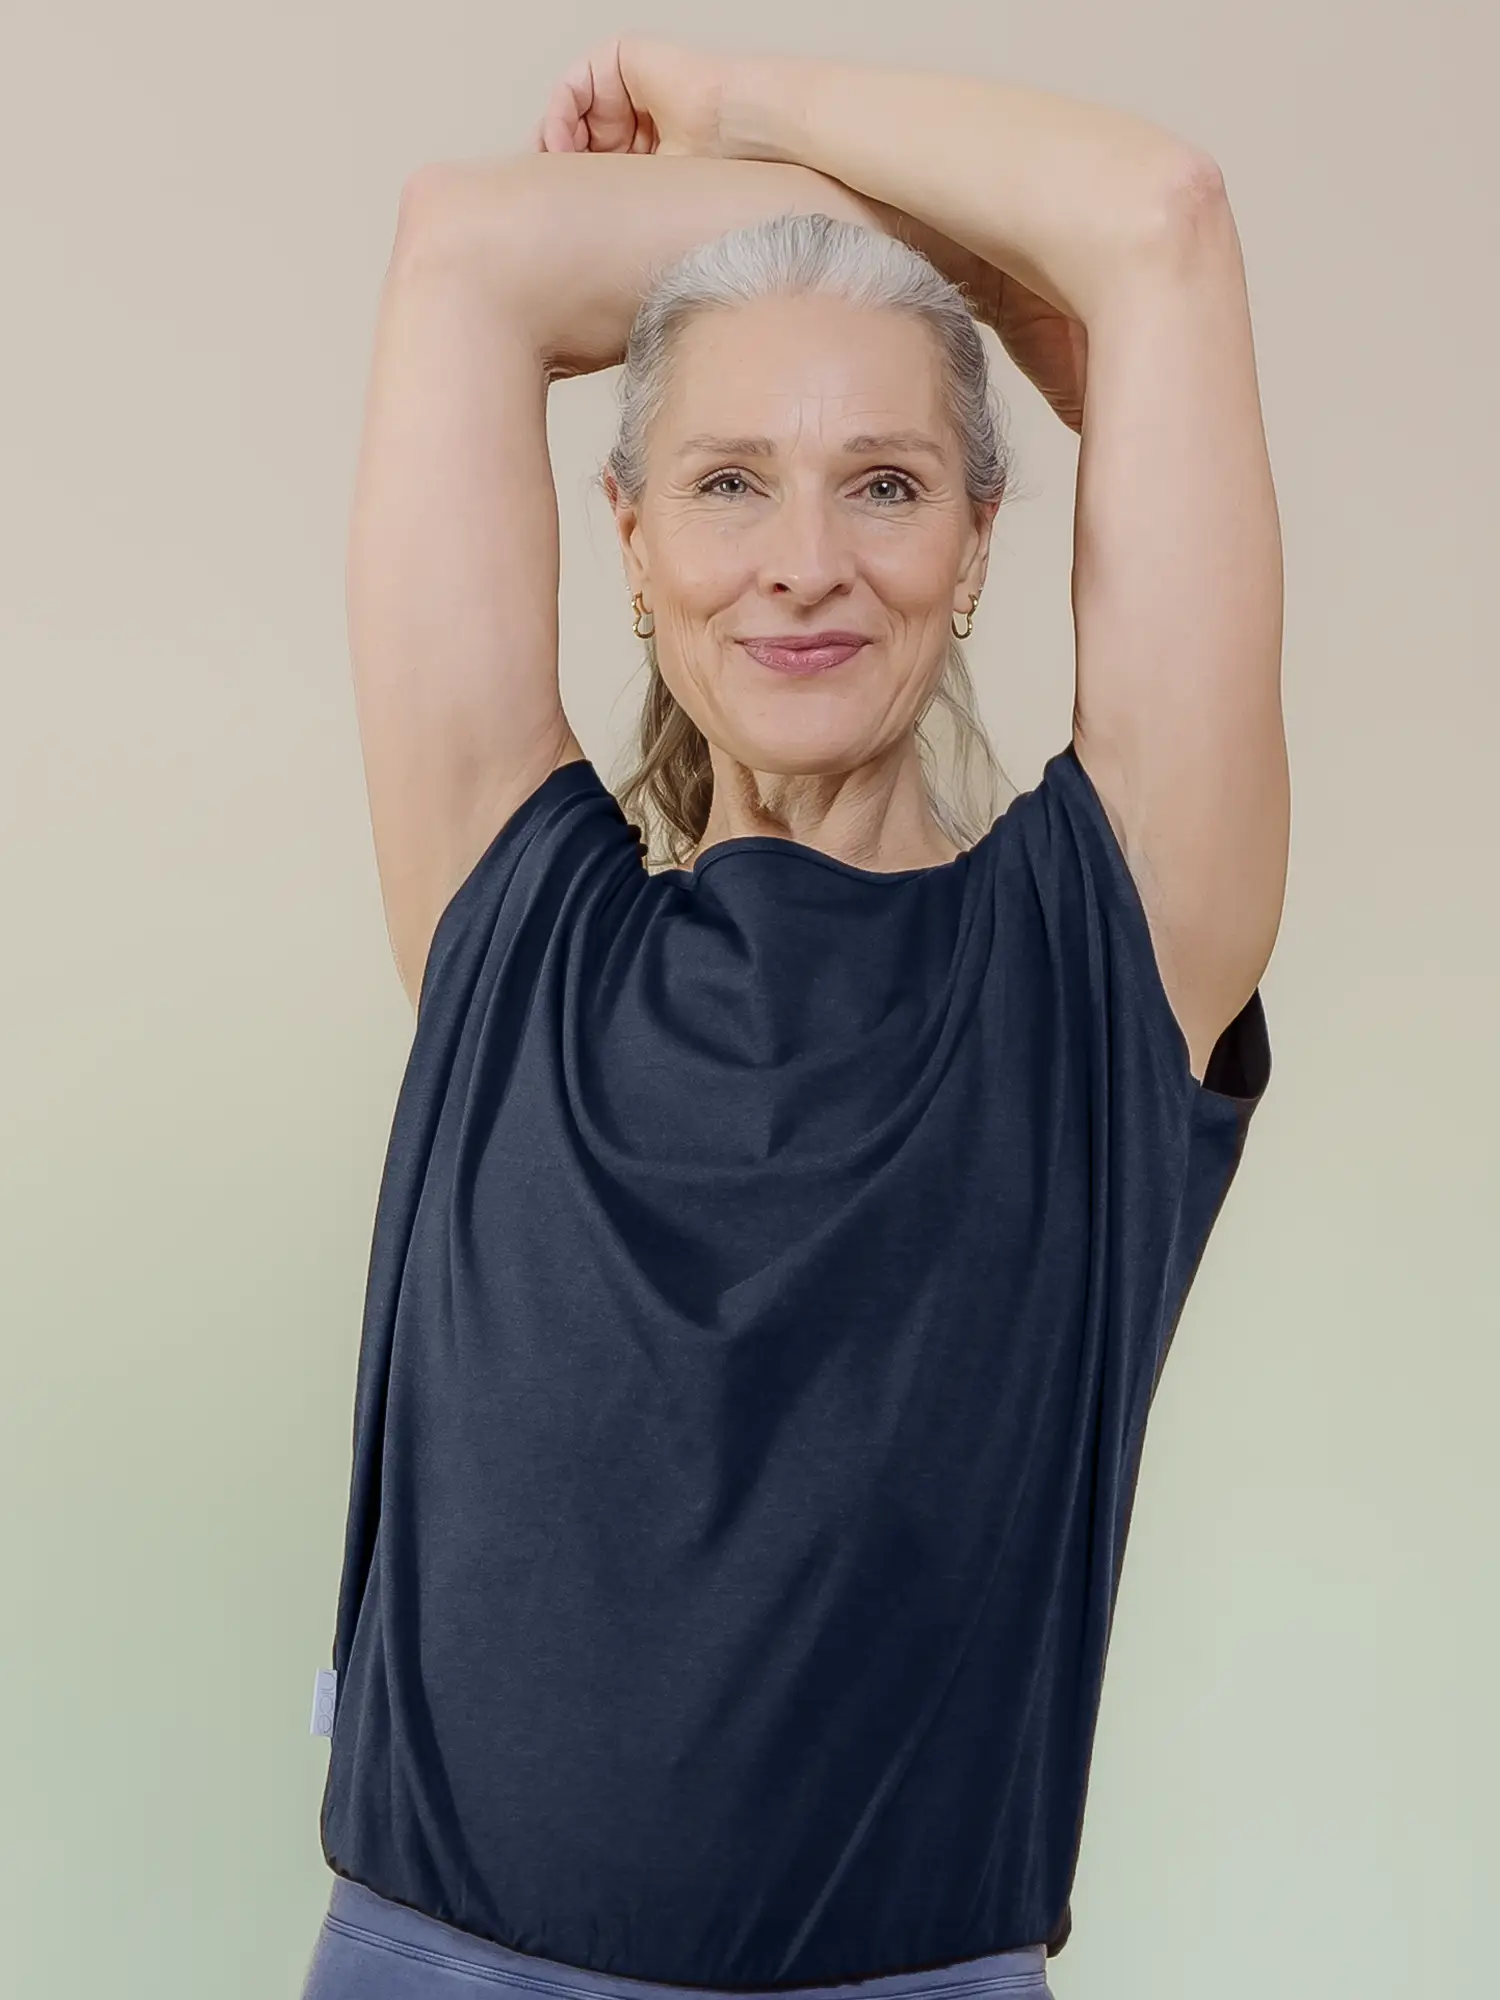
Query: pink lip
pixel 810 655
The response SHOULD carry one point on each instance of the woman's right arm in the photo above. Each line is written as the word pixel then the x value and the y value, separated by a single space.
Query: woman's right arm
pixel 505 275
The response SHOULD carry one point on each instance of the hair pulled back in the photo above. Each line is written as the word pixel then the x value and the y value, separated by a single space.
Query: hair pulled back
pixel 669 787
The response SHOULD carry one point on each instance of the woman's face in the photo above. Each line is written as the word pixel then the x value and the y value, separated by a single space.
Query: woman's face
pixel 804 517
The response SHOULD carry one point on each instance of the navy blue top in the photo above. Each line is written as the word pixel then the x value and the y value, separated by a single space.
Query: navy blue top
pixel 773 1267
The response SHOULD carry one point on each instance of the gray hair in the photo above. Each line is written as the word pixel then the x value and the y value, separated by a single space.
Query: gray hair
pixel 669 788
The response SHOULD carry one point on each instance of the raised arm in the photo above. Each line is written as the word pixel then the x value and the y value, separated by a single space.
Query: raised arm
pixel 451 577
pixel 505 275
pixel 1177 570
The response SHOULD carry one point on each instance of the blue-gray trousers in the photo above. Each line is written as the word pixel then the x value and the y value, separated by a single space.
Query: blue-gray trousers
pixel 372 1949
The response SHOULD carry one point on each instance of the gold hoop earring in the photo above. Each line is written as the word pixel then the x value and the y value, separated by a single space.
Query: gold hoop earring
pixel 639 610
pixel 969 615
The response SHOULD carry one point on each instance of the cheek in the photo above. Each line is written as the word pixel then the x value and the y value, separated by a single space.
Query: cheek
pixel 693 557
pixel 913 570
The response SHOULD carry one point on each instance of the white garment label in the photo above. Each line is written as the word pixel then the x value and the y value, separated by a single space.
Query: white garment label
pixel 325 1697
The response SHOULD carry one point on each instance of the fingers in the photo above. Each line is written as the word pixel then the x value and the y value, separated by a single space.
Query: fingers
pixel 612 123
pixel 590 110
pixel 563 128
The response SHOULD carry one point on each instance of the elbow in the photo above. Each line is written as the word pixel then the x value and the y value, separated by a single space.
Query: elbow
pixel 449 205
pixel 1183 226
pixel 1189 201
pixel 433 202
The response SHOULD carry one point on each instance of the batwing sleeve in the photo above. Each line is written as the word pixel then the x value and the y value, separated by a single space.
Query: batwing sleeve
pixel 562 849
pixel 1084 882
pixel 1162 1146
pixel 564 862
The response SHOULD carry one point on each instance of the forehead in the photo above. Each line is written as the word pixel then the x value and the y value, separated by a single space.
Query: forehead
pixel 789 367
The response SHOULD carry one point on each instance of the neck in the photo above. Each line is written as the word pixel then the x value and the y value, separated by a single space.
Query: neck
pixel 875 816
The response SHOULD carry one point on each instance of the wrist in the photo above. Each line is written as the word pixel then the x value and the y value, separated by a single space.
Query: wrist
pixel 762 109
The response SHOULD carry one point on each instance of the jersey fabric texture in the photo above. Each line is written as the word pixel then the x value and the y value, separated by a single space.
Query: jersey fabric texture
pixel 773 1267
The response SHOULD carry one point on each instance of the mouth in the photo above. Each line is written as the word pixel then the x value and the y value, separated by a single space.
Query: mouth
pixel 813 655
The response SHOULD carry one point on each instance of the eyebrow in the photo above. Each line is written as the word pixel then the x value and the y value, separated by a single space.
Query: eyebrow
pixel 764 447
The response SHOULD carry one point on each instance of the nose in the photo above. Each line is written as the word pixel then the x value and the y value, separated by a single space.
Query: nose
pixel 805 544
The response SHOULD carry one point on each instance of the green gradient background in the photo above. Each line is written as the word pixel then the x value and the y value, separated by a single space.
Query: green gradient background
pixel 1294 1787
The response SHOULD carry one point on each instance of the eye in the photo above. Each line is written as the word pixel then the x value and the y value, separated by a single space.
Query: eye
pixel 910 492
pixel 715 479
pixel 901 480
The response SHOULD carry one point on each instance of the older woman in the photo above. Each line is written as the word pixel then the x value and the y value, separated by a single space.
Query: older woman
pixel 798 1175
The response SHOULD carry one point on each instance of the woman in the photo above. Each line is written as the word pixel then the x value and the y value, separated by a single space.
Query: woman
pixel 778 1249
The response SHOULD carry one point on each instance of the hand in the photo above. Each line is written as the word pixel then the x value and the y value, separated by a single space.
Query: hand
pixel 632 94
pixel 629 94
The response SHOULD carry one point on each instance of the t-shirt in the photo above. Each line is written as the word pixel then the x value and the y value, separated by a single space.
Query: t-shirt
pixel 773 1267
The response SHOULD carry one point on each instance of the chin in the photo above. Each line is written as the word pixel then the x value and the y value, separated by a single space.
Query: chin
pixel 797 750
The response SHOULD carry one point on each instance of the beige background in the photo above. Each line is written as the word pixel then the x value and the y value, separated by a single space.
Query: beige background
pixel 1294 1786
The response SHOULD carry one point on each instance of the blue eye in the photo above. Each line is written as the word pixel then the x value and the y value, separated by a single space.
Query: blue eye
pixel 901 478
pixel 706 486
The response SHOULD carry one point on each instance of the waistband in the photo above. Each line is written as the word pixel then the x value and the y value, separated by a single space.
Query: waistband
pixel 355 1907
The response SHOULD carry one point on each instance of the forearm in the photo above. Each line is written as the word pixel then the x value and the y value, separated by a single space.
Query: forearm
pixel 1050 188
pixel 568 241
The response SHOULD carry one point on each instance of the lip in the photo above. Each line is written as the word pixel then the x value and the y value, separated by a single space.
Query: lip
pixel 805 653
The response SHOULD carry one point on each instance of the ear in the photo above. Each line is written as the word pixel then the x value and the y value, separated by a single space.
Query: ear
pixel 977 567
pixel 627 521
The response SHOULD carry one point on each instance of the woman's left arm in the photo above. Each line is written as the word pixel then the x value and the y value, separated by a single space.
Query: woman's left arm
pixel 1177 573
